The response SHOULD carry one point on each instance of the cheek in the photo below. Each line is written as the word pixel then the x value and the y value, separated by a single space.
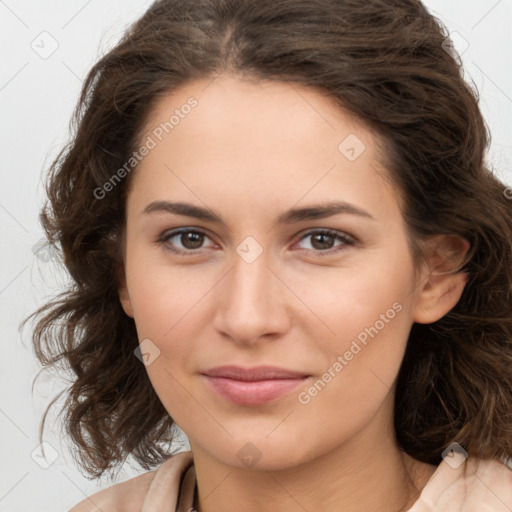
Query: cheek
pixel 166 308
pixel 369 315
pixel 169 307
pixel 162 297
pixel 361 366
pixel 357 302
pixel 362 360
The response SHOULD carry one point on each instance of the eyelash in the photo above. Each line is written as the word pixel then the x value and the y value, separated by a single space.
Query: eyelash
pixel 347 240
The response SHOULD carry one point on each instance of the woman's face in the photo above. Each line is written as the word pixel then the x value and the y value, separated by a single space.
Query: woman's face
pixel 255 283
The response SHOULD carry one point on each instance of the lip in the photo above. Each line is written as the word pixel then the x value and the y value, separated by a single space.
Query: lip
pixel 253 386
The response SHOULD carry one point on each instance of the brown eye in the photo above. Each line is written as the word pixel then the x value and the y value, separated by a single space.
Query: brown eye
pixel 191 239
pixel 183 241
pixel 324 241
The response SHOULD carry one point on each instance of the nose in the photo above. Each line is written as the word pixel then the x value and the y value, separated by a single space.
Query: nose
pixel 252 302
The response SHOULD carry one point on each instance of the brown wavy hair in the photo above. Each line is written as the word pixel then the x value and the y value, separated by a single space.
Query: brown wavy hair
pixel 387 62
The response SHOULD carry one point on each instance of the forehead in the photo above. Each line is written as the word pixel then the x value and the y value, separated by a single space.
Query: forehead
pixel 275 114
pixel 264 142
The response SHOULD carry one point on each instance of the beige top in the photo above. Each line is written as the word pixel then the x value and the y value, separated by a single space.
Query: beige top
pixel 475 485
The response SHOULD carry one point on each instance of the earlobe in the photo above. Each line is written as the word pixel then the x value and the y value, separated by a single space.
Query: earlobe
pixel 127 305
pixel 120 270
pixel 441 283
pixel 124 298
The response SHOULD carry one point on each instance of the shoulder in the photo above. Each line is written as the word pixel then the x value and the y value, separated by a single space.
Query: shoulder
pixel 126 496
pixel 472 485
pixel 129 496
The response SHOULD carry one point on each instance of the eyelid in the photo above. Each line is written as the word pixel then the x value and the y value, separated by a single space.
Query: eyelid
pixel 345 238
pixel 168 234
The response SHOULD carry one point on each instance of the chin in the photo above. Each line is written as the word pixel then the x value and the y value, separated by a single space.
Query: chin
pixel 255 453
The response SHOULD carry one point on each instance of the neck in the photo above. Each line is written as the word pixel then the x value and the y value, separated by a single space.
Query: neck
pixel 368 473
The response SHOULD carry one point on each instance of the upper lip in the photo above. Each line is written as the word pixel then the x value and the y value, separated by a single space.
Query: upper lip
pixel 256 373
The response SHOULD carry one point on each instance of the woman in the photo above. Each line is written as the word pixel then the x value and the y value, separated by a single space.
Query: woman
pixel 285 240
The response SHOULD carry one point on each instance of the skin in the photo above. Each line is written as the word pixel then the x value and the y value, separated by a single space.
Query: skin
pixel 250 152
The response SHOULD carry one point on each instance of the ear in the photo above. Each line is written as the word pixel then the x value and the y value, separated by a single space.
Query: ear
pixel 124 297
pixel 120 271
pixel 441 284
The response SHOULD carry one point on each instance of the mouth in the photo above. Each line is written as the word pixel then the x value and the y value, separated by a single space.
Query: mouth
pixel 253 386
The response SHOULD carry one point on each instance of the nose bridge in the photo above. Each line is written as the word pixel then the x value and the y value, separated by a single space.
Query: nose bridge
pixel 251 304
pixel 250 280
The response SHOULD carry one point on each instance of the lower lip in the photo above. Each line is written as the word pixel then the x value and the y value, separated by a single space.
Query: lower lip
pixel 253 392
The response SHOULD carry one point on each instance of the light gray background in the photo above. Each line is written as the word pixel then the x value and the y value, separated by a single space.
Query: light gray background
pixel 37 95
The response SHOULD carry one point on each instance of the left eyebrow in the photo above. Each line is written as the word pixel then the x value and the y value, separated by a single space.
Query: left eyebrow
pixel 321 211
pixel 312 212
